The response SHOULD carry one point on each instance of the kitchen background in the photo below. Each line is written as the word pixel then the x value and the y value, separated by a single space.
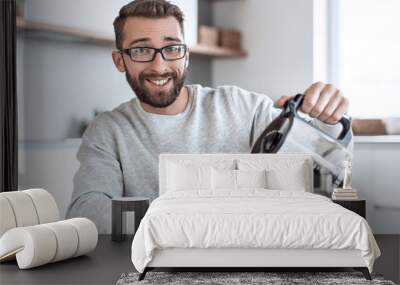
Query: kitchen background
pixel 66 75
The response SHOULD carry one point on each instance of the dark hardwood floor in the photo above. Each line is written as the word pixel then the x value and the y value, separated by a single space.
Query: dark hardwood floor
pixel 110 260
pixel 389 262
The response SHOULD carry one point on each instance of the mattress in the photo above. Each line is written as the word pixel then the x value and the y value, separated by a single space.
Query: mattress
pixel 250 219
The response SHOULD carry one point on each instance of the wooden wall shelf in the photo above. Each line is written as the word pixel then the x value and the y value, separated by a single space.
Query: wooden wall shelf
pixel 60 32
pixel 65 33
pixel 216 51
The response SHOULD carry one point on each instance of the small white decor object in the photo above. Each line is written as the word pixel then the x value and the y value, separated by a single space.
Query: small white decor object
pixel 347 174
pixel 346 192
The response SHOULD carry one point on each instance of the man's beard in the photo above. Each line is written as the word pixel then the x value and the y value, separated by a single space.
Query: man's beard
pixel 156 99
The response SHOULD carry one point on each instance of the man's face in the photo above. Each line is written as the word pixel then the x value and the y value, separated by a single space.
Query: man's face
pixel 159 82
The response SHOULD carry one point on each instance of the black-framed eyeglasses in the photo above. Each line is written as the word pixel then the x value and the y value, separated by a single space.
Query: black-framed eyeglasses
pixel 147 54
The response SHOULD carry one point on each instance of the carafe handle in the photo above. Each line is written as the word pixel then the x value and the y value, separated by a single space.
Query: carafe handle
pixel 293 105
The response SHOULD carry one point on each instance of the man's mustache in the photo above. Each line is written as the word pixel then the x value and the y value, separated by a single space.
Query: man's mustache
pixel 144 76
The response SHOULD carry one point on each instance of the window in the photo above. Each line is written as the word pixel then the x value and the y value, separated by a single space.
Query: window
pixel 366 55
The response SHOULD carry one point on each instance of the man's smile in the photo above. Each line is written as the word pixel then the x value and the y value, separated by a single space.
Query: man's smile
pixel 159 82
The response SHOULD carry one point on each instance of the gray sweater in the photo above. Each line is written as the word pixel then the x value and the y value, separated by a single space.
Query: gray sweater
pixel 119 151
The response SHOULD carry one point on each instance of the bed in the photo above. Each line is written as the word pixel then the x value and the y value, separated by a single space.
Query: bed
pixel 244 211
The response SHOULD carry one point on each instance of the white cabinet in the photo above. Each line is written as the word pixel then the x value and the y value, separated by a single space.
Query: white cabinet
pixel 376 175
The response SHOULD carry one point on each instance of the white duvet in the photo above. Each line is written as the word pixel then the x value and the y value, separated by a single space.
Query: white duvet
pixel 252 218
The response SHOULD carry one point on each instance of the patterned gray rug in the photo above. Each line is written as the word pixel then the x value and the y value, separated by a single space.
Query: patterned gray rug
pixel 230 278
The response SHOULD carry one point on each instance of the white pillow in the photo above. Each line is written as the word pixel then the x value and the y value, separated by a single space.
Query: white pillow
pixel 188 177
pixel 282 174
pixel 251 178
pixel 289 179
pixel 223 179
pixel 226 179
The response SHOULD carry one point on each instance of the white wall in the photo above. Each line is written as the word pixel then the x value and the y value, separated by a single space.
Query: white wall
pixel 278 36
pixel 376 171
pixel 64 82
pixel 190 11
pixel 91 15
pixel 50 166
pixel 322 25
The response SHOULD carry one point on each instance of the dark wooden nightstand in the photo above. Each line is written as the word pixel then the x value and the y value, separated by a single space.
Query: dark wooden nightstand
pixel 358 206
pixel 139 205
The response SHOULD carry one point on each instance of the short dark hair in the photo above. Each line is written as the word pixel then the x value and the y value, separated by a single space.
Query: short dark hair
pixel 148 9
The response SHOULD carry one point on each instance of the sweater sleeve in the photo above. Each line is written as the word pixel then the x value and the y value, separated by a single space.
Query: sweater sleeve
pixel 99 177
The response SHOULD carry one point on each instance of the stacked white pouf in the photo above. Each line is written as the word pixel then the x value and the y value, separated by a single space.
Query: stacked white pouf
pixel 30 230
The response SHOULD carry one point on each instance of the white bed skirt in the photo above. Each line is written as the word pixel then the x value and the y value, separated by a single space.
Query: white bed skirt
pixel 235 257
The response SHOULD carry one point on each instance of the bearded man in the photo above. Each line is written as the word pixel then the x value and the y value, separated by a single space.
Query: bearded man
pixel 119 151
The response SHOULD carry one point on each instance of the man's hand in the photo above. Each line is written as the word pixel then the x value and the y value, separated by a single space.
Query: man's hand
pixel 322 101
